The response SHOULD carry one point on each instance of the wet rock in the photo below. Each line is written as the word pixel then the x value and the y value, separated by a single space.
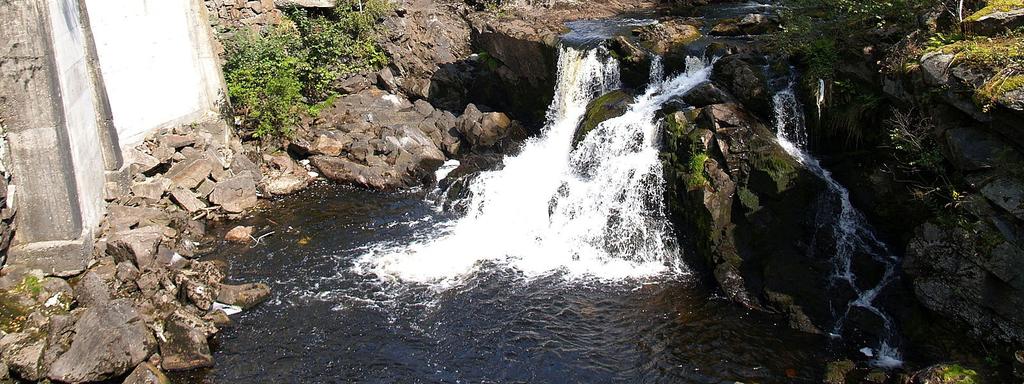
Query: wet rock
pixel 483 130
pixel 608 106
pixel 109 340
pixel 707 94
pixel 836 371
pixel 184 346
pixel 667 36
pixel 745 81
pixel 245 295
pixel 239 234
pixel 146 373
pixel 235 194
pixel 945 374
pixel 285 176
pixel 751 24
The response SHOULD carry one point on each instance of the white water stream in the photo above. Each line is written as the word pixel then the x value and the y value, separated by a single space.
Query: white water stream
pixel 850 231
pixel 596 211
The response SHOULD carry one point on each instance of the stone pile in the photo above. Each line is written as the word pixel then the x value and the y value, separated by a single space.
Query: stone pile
pixel 143 306
pixel 383 141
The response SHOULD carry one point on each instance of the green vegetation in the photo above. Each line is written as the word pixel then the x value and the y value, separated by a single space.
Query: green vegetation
pixel 276 76
pixel 818 31
pixel 955 373
pixel 749 199
pixel 993 6
pixel 696 178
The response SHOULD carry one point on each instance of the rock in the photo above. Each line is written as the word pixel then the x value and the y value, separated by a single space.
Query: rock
pixel 952 269
pixel 608 106
pixel 992 22
pixel 245 295
pixel 92 290
pixel 239 234
pixel 109 340
pixel 751 24
pixel 935 67
pixel 483 130
pixel 1004 189
pixel 945 374
pixel 329 145
pixel 284 4
pixel 386 80
pixel 836 371
pixel 138 246
pixel 667 36
pixel 235 194
pixel 187 200
pixel 146 373
pixel 285 176
pixel 973 149
pixel 190 172
pixel 152 189
pixel 177 141
pixel 184 346
pixel 745 81
pixel 140 161
pixel 23 354
pixel 707 94
pixel 354 84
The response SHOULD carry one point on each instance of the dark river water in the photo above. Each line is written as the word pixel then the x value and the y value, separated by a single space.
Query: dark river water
pixel 326 322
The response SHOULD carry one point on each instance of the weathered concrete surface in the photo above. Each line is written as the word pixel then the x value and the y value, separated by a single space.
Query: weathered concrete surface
pixel 160 49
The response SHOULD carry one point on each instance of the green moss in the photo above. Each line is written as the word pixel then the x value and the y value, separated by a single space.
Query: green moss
pixel 695 171
pixel 778 165
pixel 997 87
pixel 749 199
pixel 609 106
pixel 987 53
pixel 993 6
pixel 957 374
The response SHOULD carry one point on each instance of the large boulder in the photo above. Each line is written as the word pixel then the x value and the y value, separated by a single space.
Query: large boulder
pixel 109 340
pixel 995 20
pixel 608 106
pixel 743 198
pixel 484 129
pixel 744 80
pixel 751 24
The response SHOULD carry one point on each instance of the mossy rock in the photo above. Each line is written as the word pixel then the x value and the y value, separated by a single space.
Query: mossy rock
pixel 997 17
pixel 606 107
pixel 947 374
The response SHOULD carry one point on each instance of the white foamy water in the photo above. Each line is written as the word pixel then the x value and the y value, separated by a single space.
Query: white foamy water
pixel 595 212
pixel 851 232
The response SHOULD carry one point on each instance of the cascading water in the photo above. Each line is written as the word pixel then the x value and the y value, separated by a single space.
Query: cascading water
pixel 850 231
pixel 594 211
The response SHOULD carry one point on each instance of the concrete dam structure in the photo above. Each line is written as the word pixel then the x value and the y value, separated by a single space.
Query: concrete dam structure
pixel 80 81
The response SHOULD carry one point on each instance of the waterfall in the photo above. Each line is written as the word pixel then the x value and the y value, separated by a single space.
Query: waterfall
pixel 850 231
pixel 596 211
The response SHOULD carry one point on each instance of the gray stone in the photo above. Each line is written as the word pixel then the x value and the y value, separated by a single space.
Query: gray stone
pixel 973 149
pixel 184 346
pixel 483 130
pixel 187 200
pixel 935 66
pixel 92 290
pixel 23 354
pixel 190 172
pixel 996 23
pixel 1007 192
pixel 245 295
pixel 177 141
pixel 138 246
pixel 109 340
pixel 146 373
pixel 152 189
pixel 236 194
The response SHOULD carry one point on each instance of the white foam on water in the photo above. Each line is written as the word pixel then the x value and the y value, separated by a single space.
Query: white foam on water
pixel 596 212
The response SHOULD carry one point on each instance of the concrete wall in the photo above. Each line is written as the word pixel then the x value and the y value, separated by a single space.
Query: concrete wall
pixel 79 80
pixel 159 49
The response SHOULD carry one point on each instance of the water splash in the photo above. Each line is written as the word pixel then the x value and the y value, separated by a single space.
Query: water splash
pixel 850 231
pixel 596 211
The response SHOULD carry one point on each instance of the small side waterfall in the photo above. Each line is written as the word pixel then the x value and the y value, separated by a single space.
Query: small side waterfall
pixel 595 211
pixel 850 231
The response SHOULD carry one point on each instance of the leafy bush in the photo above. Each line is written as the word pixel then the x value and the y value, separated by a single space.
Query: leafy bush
pixel 263 73
pixel 276 76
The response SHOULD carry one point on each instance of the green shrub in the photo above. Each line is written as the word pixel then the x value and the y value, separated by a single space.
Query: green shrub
pixel 278 75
